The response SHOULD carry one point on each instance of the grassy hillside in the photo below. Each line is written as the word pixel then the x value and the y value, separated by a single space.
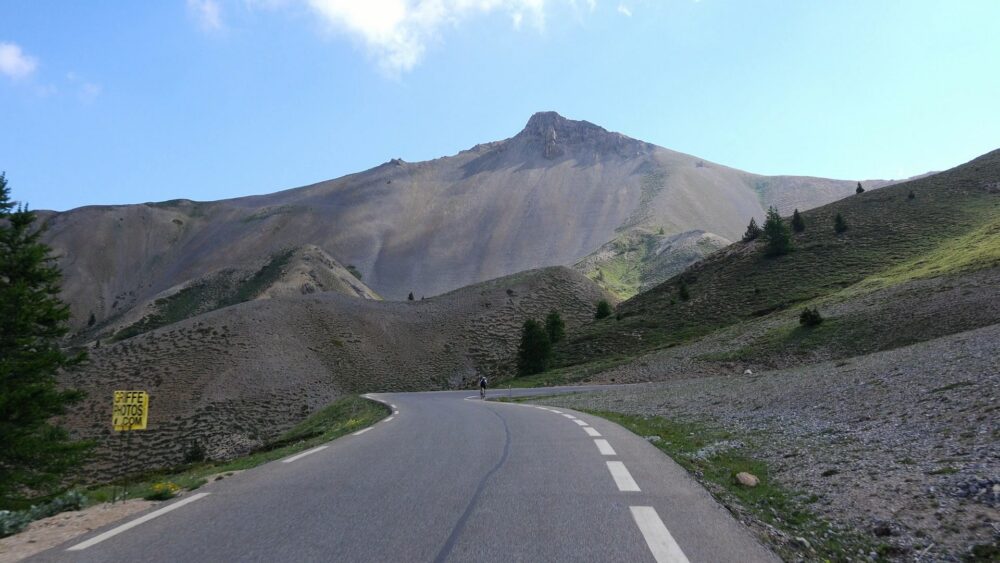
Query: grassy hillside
pixel 949 226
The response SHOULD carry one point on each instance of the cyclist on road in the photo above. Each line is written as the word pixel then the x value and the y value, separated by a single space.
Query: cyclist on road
pixel 482 386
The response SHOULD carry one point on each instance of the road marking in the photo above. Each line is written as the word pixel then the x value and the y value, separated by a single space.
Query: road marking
pixel 590 431
pixel 395 412
pixel 658 538
pixel 569 416
pixel 555 411
pixel 124 527
pixel 605 447
pixel 389 419
pixel 304 454
pixel 622 477
pixel 580 422
pixel 542 408
pixel 393 407
pixel 362 431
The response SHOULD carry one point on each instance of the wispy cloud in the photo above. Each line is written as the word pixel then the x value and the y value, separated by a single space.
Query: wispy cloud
pixel 86 90
pixel 207 12
pixel 624 10
pixel 14 62
pixel 397 32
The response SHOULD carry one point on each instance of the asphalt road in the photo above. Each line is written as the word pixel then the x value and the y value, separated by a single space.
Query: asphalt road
pixel 446 478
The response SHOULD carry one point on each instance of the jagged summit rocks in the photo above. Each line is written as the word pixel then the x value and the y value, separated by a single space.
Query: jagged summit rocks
pixel 555 136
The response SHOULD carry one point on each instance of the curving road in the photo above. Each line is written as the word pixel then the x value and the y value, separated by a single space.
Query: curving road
pixel 446 478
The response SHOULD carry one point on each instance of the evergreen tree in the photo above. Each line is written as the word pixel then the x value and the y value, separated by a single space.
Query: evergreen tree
pixel 603 309
pixel 535 349
pixel 777 233
pixel 34 453
pixel 682 290
pixel 810 317
pixel 554 326
pixel 91 320
pixel 912 195
pixel 752 232
pixel 410 298
pixel 798 223
pixel 839 223
pixel 860 190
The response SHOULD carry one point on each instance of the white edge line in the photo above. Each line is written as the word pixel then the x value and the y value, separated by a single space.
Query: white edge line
pixel 590 431
pixel 362 431
pixel 580 422
pixel 604 447
pixel 304 454
pixel 128 526
pixel 555 411
pixel 622 477
pixel 389 419
pixel 658 538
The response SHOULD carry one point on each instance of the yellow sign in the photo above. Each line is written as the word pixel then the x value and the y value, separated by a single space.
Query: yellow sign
pixel 131 409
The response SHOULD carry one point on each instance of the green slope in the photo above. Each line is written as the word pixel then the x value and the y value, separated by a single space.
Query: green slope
pixel 950 226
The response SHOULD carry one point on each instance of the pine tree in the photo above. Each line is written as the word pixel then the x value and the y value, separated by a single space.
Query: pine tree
pixel 912 195
pixel 603 309
pixel 839 224
pixel 410 297
pixel 34 453
pixel 752 232
pixel 554 326
pixel 860 190
pixel 682 290
pixel 535 349
pixel 777 233
pixel 798 223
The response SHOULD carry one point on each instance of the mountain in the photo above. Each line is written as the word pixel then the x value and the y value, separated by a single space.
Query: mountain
pixel 550 195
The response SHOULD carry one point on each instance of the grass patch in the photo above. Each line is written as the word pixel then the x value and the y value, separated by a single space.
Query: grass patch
pixel 345 415
pixel 567 375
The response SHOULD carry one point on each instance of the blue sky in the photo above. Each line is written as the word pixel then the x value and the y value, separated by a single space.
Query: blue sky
pixel 122 102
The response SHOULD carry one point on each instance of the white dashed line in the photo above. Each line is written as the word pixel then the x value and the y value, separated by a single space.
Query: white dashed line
pixel 389 419
pixel 658 538
pixel 569 416
pixel 393 407
pixel 362 431
pixel 580 422
pixel 590 431
pixel 605 447
pixel 115 531
pixel 622 477
pixel 304 454
pixel 555 411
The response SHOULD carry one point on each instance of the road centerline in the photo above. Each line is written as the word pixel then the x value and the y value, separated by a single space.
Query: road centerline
pixel 622 477
pixel 604 447
pixel 657 536
pixel 591 431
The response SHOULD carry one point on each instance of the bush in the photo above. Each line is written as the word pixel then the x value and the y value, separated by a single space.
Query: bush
pixel 752 232
pixel 798 223
pixel 912 195
pixel 839 224
pixel 810 317
pixel 603 309
pixel 195 453
pixel 555 327
pixel 535 349
pixel 163 491
pixel 860 190
pixel 779 236
pixel 682 290
pixel 12 522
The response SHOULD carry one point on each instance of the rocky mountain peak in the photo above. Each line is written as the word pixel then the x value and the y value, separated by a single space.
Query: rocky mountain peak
pixel 555 136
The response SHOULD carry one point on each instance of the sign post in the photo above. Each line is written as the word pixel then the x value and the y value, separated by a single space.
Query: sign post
pixel 130 411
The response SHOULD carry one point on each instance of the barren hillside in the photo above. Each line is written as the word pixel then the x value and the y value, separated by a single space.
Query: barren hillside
pixel 232 378
pixel 550 195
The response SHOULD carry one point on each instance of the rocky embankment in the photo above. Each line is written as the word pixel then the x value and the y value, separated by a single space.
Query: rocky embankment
pixel 902 445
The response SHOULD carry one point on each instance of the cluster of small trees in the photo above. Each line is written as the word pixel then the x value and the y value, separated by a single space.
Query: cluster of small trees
pixel 535 350
pixel 778 233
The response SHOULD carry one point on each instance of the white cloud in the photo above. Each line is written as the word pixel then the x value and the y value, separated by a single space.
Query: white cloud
pixel 397 32
pixel 624 10
pixel 14 62
pixel 207 12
